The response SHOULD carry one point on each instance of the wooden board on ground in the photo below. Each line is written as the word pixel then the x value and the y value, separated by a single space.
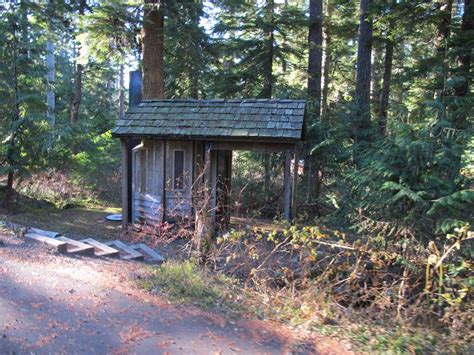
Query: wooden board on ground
pixel 76 247
pixel 100 249
pixel 150 255
pixel 126 253
pixel 46 233
pixel 60 246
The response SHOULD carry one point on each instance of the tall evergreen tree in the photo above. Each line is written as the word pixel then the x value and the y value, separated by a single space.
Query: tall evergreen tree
pixel 153 50
pixel 315 50
pixel 77 98
pixel 362 89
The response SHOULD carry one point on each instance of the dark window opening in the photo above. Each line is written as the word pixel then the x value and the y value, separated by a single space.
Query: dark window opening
pixel 178 170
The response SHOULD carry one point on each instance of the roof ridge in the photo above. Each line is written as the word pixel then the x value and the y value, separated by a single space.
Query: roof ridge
pixel 225 100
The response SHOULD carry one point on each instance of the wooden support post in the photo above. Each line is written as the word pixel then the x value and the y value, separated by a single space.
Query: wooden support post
pixel 203 229
pixel 213 188
pixel 287 185
pixel 206 213
pixel 125 178
pixel 228 188
pixel 294 186
pixel 163 193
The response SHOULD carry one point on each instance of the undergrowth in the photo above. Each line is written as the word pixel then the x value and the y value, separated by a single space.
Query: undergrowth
pixel 59 189
pixel 371 292
pixel 187 281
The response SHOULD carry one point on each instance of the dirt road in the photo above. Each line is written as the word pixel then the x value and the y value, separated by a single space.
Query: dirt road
pixel 51 303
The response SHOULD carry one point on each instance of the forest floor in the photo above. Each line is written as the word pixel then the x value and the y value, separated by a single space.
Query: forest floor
pixel 52 303
pixel 78 222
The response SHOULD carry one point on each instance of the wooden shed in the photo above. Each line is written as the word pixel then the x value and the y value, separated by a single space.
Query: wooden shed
pixel 172 150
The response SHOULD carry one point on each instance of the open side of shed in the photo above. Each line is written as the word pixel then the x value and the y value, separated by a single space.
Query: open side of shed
pixel 177 154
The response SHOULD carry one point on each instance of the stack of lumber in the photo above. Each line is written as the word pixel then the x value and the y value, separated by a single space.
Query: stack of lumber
pixel 90 246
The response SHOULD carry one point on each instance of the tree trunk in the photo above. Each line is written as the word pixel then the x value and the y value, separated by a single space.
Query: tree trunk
pixel 267 90
pixel 362 95
pixel 50 78
pixel 267 176
pixel 10 160
pixel 444 24
pixel 375 89
pixel 121 108
pixel 76 101
pixel 315 40
pixel 326 61
pixel 387 76
pixel 464 65
pixel 8 190
pixel 153 50
pixel 441 42
pixel 461 106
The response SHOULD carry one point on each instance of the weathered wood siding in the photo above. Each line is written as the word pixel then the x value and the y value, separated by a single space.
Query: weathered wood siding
pixel 179 201
pixel 149 181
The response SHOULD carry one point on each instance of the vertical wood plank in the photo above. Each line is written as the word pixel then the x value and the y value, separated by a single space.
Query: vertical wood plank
pixel 163 201
pixel 213 187
pixel 229 186
pixel 125 177
pixel 193 168
pixel 294 187
pixel 287 185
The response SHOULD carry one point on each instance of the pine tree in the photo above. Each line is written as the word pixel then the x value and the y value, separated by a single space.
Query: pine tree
pixel 362 90
pixel 153 51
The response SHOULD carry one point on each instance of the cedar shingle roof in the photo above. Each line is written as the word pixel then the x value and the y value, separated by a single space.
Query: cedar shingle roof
pixel 265 120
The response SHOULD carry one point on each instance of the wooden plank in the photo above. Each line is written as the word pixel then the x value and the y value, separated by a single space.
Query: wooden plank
pixel 150 254
pixel 270 147
pixel 294 186
pixel 77 247
pixel 163 192
pixel 46 233
pixel 287 185
pixel 127 253
pixel 125 177
pixel 213 190
pixel 101 249
pixel 59 245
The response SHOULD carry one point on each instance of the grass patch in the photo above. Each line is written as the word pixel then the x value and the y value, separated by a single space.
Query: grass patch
pixel 371 338
pixel 86 221
pixel 186 281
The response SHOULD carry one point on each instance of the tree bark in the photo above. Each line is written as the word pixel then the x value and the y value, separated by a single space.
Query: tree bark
pixel 362 95
pixel 441 41
pixel 77 99
pixel 267 177
pixel 387 76
pixel 315 40
pixel 10 160
pixel 50 78
pixel 375 89
pixel 461 107
pixel 153 51
pixel 267 90
pixel 444 24
pixel 326 60
pixel 464 65
pixel 121 108
pixel 8 190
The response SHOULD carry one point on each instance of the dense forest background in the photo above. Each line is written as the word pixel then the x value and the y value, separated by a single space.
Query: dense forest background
pixel 389 156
